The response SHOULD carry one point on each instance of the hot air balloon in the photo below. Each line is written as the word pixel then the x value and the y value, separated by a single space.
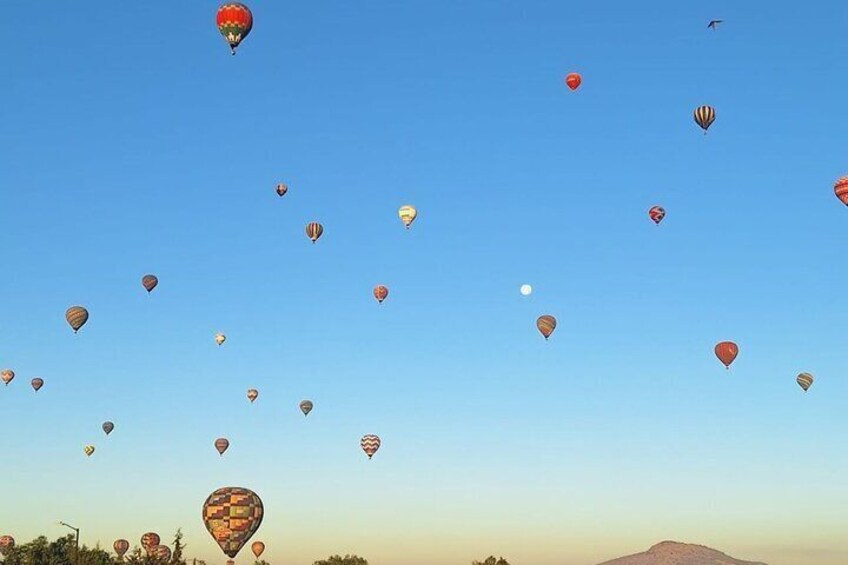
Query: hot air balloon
pixel 108 427
pixel 573 80
pixel 407 215
pixel 121 546
pixel 526 290
pixel 7 375
pixel 314 231
pixel 726 351
pixel 221 444
pixel 252 394
pixel 37 383
pixel 840 188
pixel 162 552
pixel 546 325
pixel 220 338
pixel 380 293
pixel 149 282
pixel 704 117
pixel 282 189
pixel 370 444
pixel 232 515
pixel 656 213
pixel 6 544
pixel 149 541
pixel 234 22
pixel 88 450
pixel 76 316
pixel 257 548
pixel 230 562
pixel 306 407
pixel 804 380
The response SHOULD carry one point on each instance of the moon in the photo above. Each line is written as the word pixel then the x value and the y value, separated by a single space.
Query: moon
pixel 526 289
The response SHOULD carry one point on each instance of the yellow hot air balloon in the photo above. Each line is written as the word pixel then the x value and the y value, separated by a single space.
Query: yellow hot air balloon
pixel 220 338
pixel 88 450
pixel 76 316
pixel 407 215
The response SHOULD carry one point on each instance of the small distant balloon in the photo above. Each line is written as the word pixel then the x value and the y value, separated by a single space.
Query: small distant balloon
pixel 370 444
pixel 306 407
pixel 76 317
pixel 282 189
pixel 314 230
pixel 407 215
pixel 252 394
pixel 121 546
pixel 232 515
pixel 108 427
pixel 840 188
pixel 656 213
pixel 804 380
pixel 220 338
pixel 573 80
pixel 149 282
pixel 381 293
pixel 726 351
pixel 546 325
pixel 221 444
pixel 162 552
pixel 704 117
pixel 88 450
pixel 37 383
pixel 7 543
pixel 526 290
pixel 257 548
pixel 7 375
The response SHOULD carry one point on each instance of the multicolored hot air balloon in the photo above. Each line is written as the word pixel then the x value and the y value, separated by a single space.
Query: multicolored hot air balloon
pixel 407 215
pixel 234 21
pixel 88 450
pixel 149 282
pixel 381 293
pixel 7 543
pixel 108 427
pixel 221 444
pixel 704 117
pixel 232 515
pixel 306 407
pixel 37 383
pixel 257 548
pixel 369 444
pixel 804 380
pixel 840 188
pixel 546 325
pixel 282 189
pixel 220 338
pixel 573 80
pixel 656 213
pixel 314 230
pixel 252 394
pixel 7 375
pixel 76 316
pixel 121 546
pixel 149 541
pixel 726 351
pixel 162 552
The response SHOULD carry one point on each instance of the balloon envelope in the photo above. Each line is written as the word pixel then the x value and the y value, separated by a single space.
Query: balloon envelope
pixel 370 444
pixel 88 450
pixel 121 546
pixel 704 117
pixel 149 541
pixel 76 317
pixel 252 394
pixel 232 515
pixel 6 544
pixel 656 213
pixel 804 380
pixel 380 293
pixel 161 552
pixel 282 189
pixel 221 444
pixel 37 383
pixel 726 351
pixel 257 548
pixel 149 282
pixel 314 230
pixel 220 338
pixel 234 21
pixel 306 407
pixel 546 325
pixel 407 215
pixel 108 427
pixel 573 80
pixel 7 375
pixel 840 188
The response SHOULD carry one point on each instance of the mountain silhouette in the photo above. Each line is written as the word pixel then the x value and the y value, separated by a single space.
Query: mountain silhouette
pixel 674 553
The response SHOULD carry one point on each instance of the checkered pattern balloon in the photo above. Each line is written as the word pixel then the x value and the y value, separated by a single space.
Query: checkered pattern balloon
pixel 232 515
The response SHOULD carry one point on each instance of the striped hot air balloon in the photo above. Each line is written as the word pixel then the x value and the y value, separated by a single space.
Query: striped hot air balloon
pixel 108 427
pixel 314 231
pixel 804 380
pixel 370 444
pixel 252 394
pixel 726 351
pixel 380 293
pixel 37 383
pixel 704 117
pixel 656 213
pixel 149 541
pixel 121 546
pixel 306 407
pixel 840 188
pixel 149 282
pixel 232 515
pixel 282 189
pixel 221 444
pixel 88 450
pixel 546 325
pixel 407 215
pixel 234 21
pixel 7 375
pixel 257 548
pixel 76 316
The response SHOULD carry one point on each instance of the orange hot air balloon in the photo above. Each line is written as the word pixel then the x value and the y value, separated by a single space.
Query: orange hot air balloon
pixel 234 22
pixel 257 548
pixel 252 394
pixel 232 515
pixel 726 351
pixel 380 293
pixel 314 230
pixel 546 325
pixel 37 383
pixel 573 80
pixel 149 541
pixel 76 317
pixel 149 282
pixel 121 546
pixel 840 188
pixel 221 444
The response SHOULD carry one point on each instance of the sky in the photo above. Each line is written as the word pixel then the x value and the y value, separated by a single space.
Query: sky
pixel 132 142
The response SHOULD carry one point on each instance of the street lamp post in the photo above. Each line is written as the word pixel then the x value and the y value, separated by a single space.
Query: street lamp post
pixel 76 531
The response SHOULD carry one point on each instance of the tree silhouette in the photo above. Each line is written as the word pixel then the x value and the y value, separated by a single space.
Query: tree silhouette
pixel 346 560
pixel 492 561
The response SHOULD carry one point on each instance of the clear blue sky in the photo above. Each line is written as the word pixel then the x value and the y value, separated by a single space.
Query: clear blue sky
pixel 132 142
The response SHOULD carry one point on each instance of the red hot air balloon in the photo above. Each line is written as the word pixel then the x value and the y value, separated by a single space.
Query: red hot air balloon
pixel 840 188
pixel 149 541
pixel 121 546
pixel 380 293
pixel 573 80
pixel 726 351
pixel 234 21
pixel 232 515
pixel 221 444
pixel 656 213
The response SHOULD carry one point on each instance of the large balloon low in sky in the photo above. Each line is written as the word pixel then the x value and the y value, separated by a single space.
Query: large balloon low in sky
pixel 232 515
pixel 150 540
pixel 6 544
pixel 234 21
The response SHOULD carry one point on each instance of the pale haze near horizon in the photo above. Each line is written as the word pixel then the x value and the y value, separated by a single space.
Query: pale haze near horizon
pixel 133 143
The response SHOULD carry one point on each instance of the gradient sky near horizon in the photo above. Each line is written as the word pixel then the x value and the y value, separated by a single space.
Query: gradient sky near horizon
pixel 132 142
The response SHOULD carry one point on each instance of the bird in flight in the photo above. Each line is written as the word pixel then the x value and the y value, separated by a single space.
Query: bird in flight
pixel 714 24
